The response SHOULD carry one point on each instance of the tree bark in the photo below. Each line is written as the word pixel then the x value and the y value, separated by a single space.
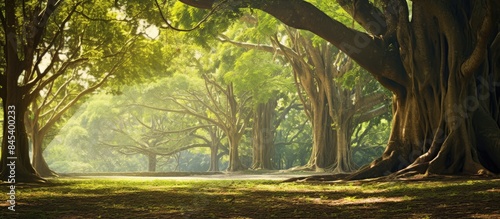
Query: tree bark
pixel 331 106
pixel 322 156
pixel 263 135
pixel 152 160
pixel 214 149
pixel 16 161
pixel 37 135
pixel 234 157
pixel 436 122
pixel 39 162
pixel 20 43
pixel 214 159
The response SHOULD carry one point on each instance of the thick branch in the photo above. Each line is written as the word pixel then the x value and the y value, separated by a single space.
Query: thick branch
pixel 61 112
pixel 203 20
pixel 369 52
pixel 56 36
pixel 478 55
pixel 186 111
pixel 366 116
pixel 368 102
pixel 366 14
pixel 53 77
pixel 183 148
pixel 194 128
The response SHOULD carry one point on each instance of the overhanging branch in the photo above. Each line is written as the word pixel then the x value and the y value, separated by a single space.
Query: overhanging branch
pixel 369 52
pixel 478 55
pixel 366 14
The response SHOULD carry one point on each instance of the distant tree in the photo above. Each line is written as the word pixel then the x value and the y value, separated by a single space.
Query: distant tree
pixel 293 141
pixel 225 109
pixel 214 139
pixel 131 135
pixel 369 139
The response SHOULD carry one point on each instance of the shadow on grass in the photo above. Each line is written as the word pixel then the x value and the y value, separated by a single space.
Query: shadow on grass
pixel 110 199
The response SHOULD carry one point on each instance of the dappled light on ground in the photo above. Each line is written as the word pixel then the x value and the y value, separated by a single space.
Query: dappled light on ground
pixel 118 198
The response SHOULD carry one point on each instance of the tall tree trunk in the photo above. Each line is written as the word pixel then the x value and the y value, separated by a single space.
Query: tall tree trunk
pixel 15 100
pixel 234 130
pixel 234 157
pixel 37 135
pixel 152 160
pixel 322 155
pixel 215 143
pixel 214 159
pixel 39 162
pixel 344 163
pixel 263 135
pixel 315 75
pixel 16 161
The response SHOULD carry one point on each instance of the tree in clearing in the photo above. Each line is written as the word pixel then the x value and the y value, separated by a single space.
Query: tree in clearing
pixel 441 62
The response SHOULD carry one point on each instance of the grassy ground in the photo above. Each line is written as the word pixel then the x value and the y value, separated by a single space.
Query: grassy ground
pixel 118 198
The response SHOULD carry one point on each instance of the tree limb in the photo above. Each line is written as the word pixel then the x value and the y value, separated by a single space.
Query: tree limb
pixel 478 55
pixel 61 112
pixel 183 148
pixel 367 102
pixel 368 115
pixel 185 111
pixel 203 20
pixel 369 52
pixel 185 130
pixel 366 14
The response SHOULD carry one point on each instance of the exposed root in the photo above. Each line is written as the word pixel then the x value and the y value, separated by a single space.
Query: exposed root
pixel 378 168
pixel 302 168
pixel 49 174
pixel 318 178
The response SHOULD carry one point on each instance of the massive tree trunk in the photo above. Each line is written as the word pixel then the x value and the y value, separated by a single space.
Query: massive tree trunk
pixel 263 135
pixel 15 145
pixel 15 99
pixel 332 106
pixel 442 65
pixel 322 154
pixel 446 120
pixel 21 81
pixel 235 128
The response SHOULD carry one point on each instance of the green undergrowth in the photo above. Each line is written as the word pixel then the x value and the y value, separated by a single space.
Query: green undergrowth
pixel 125 198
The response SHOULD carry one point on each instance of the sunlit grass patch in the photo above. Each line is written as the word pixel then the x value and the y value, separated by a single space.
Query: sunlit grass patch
pixel 118 198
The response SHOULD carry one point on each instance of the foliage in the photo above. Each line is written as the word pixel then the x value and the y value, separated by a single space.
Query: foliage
pixel 187 17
